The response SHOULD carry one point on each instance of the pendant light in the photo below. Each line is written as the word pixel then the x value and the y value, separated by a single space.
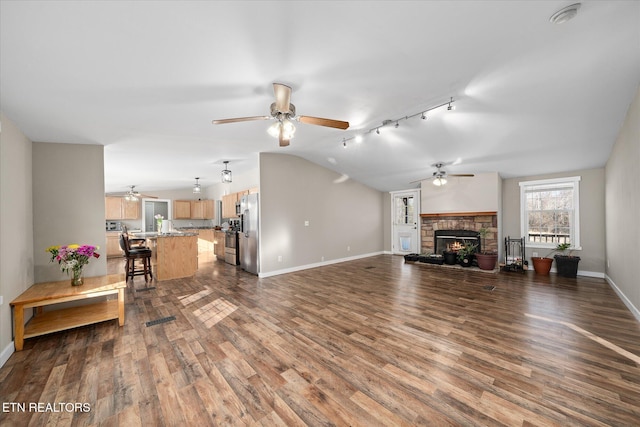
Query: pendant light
pixel 196 187
pixel 226 173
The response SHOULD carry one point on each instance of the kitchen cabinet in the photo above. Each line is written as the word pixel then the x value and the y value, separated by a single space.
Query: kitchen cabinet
pixel 182 209
pixel 113 245
pixel 194 209
pixel 229 205
pixel 119 208
pixel 218 244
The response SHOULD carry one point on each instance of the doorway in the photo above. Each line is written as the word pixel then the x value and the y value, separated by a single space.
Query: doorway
pixel 405 215
pixel 151 208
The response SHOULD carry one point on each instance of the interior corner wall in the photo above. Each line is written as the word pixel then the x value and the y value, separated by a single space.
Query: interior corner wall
pixel 622 176
pixel 68 204
pixel 345 218
pixel 16 225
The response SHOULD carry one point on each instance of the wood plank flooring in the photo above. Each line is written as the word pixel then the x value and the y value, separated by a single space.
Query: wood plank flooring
pixel 371 342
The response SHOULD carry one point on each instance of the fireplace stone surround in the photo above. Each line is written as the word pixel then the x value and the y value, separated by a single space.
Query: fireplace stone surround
pixel 473 221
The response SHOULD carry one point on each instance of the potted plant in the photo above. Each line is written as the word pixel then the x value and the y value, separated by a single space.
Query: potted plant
pixel 465 254
pixel 486 259
pixel 566 263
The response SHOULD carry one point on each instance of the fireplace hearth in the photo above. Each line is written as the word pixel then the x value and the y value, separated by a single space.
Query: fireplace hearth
pixel 458 225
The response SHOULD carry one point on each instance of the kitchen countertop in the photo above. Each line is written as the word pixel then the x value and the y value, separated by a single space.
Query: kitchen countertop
pixel 154 234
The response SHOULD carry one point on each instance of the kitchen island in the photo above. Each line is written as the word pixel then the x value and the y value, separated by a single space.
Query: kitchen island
pixel 175 254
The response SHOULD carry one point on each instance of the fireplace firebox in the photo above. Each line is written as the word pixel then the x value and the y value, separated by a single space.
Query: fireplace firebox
pixel 451 240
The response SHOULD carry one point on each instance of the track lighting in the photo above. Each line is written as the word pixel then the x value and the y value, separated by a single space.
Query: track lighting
pixel 196 187
pixel 226 173
pixel 449 107
pixel 422 114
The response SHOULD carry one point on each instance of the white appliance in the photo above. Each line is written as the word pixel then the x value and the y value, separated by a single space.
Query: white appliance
pixel 248 236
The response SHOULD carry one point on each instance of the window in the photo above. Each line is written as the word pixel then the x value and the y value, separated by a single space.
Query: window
pixel 550 212
pixel 405 212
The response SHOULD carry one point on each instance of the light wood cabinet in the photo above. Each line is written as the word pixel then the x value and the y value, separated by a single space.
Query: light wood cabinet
pixel 130 210
pixel 113 245
pixel 229 205
pixel 194 209
pixel 119 208
pixel 218 244
pixel 113 207
pixel 182 209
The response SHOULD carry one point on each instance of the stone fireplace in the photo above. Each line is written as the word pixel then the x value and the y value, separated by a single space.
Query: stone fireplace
pixel 433 226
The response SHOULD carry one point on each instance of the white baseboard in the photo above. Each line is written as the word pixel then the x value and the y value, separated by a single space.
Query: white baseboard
pixel 6 353
pixel 317 264
pixel 633 309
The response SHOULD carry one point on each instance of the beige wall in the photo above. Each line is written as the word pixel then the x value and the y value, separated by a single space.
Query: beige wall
pixel 622 174
pixel 340 215
pixel 16 225
pixel 592 211
pixel 480 193
pixel 68 204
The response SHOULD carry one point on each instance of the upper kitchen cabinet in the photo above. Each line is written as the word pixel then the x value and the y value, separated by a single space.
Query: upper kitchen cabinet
pixel 229 205
pixel 182 209
pixel 119 208
pixel 194 209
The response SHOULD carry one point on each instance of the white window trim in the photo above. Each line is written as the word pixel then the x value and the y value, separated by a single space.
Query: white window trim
pixel 575 181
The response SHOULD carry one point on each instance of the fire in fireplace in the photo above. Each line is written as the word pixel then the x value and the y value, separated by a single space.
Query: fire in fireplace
pixel 453 240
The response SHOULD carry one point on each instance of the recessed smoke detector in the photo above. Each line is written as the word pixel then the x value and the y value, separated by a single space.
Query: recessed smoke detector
pixel 565 14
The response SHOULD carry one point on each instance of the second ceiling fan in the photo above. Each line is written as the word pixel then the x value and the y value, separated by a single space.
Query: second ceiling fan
pixel 439 177
pixel 284 112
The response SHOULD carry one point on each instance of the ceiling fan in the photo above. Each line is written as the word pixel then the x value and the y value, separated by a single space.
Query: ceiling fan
pixel 132 195
pixel 284 112
pixel 440 176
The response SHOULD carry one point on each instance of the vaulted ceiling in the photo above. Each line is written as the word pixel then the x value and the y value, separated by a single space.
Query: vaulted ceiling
pixel 145 79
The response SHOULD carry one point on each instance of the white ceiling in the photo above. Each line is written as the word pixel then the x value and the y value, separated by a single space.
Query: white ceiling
pixel 145 79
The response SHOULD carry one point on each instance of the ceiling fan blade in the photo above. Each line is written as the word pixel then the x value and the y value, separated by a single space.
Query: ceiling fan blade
pixel 324 122
pixel 239 119
pixel 283 97
pixel 461 174
pixel 420 180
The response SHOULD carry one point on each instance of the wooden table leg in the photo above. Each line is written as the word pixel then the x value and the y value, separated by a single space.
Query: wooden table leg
pixel 18 324
pixel 121 306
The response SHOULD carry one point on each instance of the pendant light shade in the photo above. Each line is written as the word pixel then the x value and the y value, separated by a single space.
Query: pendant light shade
pixel 226 173
pixel 196 187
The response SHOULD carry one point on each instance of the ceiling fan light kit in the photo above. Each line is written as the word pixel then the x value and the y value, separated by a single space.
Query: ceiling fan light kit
pixel 132 196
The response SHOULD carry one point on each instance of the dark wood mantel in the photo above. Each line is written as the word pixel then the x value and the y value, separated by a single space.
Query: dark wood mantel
pixel 450 214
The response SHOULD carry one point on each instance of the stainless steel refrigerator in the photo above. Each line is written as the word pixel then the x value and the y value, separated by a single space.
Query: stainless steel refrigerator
pixel 249 260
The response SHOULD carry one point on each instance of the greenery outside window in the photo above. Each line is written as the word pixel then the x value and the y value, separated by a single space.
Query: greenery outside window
pixel 550 212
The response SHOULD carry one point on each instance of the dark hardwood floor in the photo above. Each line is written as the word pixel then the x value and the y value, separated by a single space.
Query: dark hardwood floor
pixel 362 343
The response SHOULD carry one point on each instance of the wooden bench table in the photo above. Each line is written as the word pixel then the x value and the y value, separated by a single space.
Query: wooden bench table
pixel 47 293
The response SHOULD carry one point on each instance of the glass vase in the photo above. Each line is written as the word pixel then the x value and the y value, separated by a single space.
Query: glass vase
pixel 77 278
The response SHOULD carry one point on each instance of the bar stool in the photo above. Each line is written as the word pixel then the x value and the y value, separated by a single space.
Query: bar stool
pixel 133 254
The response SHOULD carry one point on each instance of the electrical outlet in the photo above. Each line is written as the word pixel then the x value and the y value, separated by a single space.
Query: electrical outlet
pixel 306 223
pixel 279 258
pixel 534 254
pixel 348 248
pixel 321 258
pixel 1 299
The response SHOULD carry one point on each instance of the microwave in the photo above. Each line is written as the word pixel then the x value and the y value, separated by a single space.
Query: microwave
pixel 113 226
